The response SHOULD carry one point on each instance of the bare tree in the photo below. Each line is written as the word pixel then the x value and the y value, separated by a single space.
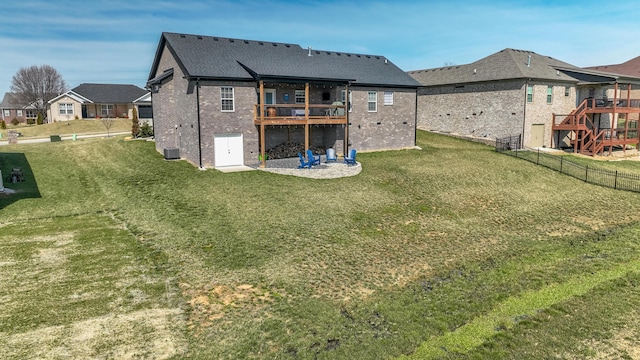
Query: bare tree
pixel 35 85
pixel 107 122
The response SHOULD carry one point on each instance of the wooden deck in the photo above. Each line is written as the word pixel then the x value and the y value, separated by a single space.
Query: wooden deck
pixel 587 137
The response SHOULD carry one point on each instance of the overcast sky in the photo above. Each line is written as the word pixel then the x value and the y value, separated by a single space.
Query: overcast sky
pixel 114 41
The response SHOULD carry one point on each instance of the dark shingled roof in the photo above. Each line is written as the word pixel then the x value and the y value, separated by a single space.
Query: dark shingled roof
pixel 503 65
pixel 209 57
pixel 12 101
pixel 630 68
pixel 109 93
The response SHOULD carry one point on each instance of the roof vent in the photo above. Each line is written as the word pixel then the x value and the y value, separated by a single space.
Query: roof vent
pixel 309 51
pixel 215 39
pixel 386 61
pixel 475 70
pixel 231 40
pixel 529 61
pixel 183 36
pixel 246 41
pixel 199 37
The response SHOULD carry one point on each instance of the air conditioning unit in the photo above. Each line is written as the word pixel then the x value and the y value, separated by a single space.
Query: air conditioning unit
pixel 171 153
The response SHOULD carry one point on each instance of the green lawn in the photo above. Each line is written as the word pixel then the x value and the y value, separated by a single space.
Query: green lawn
pixel 452 251
pixel 93 126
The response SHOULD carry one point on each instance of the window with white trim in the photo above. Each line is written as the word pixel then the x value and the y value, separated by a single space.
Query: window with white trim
pixel 567 90
pixel 106 110
pixel 388 97
pixel 65 109
pixel 549 94
pixel 7 112
pixel 31 113
pixel 227 99
pixel 529 93
pixel 299 96
pixel 372 101
pixel 19 112
pixel 343 98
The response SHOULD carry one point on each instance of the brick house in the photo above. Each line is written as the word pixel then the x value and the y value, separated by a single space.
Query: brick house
pixel 224 102
pixel 91 101
pixel 12 108
pixel 548 102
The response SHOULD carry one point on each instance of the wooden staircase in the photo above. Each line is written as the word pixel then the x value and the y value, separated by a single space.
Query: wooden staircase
pixel 585 140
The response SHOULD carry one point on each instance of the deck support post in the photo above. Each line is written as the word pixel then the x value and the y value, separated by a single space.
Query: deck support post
pixel 306 116
pixel 262 135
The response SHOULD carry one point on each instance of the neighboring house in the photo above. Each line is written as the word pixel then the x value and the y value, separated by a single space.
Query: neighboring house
pixel 91 101
pixel 224 102
pixel 144 108
pixel 629 68
pixel 12 108
pixel 519 92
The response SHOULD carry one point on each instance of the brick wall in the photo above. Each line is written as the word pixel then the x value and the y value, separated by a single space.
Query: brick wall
pixel 390 127
pixel 492 110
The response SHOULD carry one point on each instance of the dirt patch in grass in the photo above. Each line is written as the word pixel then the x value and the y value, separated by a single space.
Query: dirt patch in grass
pixel 146 334
pixel 212 304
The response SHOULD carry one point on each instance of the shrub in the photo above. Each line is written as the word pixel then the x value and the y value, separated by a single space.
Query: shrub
pixel 3 125
pixel 146 130
pixel 135 124
pixel 15 121
pixel 39 119
pixel 31 121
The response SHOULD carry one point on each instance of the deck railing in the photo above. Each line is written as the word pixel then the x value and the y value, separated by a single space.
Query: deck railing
pixel 295 113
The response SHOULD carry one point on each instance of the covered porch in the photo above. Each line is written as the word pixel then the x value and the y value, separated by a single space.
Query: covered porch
pixel 298 104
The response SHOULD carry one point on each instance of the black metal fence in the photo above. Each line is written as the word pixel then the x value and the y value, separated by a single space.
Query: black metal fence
pixel 608 178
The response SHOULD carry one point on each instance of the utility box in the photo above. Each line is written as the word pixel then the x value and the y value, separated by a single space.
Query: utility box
pixel 171 154
pixel 55 138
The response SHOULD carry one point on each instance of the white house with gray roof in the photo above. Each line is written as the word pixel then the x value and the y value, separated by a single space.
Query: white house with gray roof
pixel 224 102
pixel 548 102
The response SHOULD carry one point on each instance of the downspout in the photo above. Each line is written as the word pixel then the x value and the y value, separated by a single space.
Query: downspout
pixel 199 130
pixel 415 121
pixel 524 113
pixel 153 121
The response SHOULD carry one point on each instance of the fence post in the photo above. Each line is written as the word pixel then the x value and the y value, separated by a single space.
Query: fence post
pixel 561 164
pixel 615 181
pixel 586 173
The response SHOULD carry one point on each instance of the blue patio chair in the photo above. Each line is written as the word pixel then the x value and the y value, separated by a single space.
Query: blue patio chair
pixel 331 155
pixel 313 159
pixel 351 159
pixel 303 163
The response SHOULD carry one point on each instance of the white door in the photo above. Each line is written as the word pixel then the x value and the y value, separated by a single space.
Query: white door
pixel 228 150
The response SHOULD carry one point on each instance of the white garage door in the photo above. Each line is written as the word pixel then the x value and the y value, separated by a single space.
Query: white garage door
pixel 228 150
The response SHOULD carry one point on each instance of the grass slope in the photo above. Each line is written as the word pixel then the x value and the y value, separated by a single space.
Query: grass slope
pixel 402 259
pixel 68 128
